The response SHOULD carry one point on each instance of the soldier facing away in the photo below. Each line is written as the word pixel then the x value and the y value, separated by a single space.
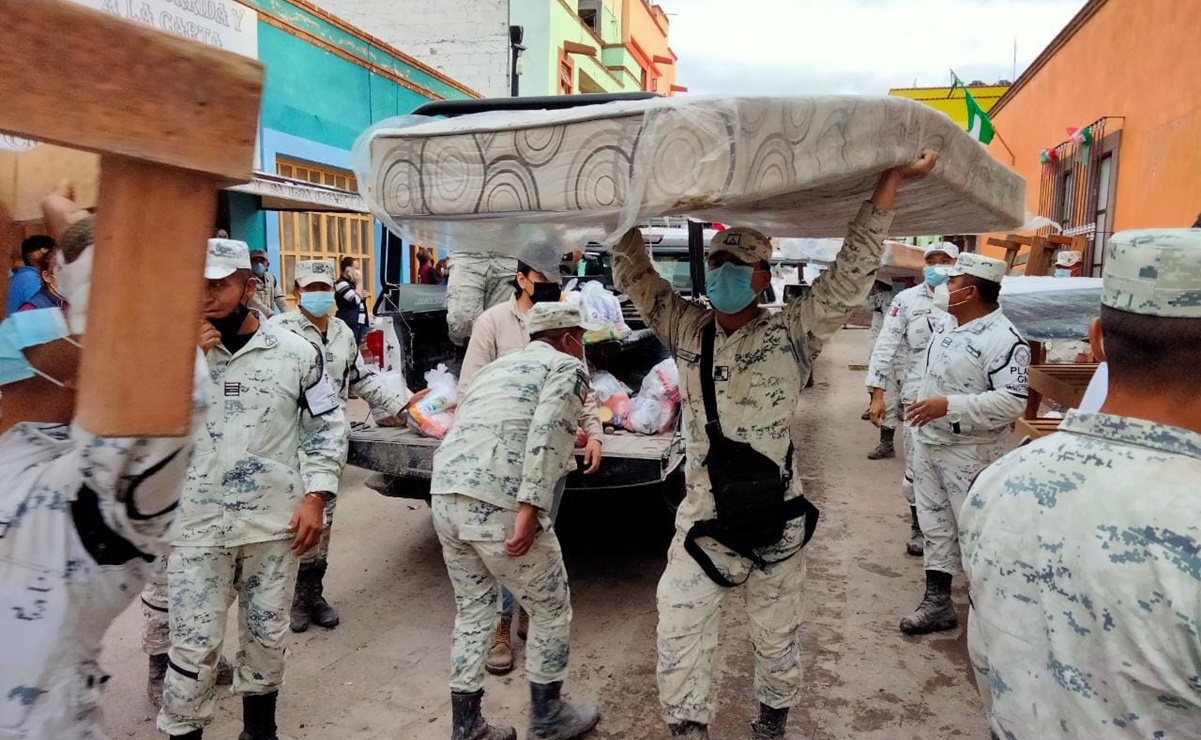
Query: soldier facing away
pixel 741 372
pixel 1081 548
pixel 492 494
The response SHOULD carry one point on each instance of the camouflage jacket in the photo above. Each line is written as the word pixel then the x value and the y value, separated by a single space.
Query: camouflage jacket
pixel 64 576
pixel 1082 553
pixel 514 430
pixel 268 296
pixel 981 369
pixel 343 364
pixel 759 369
pixel 901 348
pixel 260 450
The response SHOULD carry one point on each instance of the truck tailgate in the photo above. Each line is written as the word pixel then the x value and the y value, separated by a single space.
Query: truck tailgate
pixel 629 459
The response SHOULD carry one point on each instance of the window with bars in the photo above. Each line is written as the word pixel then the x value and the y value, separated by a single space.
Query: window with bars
pixel 1078 187
pixel 318 235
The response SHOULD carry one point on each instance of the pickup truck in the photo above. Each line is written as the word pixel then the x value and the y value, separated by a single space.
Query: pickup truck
pixel 411 327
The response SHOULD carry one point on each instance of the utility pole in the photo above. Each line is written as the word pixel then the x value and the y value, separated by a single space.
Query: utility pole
pixel 516 36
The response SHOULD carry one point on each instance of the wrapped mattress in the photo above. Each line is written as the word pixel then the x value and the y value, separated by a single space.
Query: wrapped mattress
pixel 524 181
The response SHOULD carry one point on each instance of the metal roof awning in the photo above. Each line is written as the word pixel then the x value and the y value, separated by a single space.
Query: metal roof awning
pixel 277 193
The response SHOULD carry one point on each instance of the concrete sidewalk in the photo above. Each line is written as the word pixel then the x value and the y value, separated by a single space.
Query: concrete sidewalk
pixel 383 673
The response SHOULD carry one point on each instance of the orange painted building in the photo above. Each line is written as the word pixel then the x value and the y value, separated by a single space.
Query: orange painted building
pixel 1129 71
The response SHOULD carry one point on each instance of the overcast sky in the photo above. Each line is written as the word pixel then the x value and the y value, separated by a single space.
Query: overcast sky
pixel 855 46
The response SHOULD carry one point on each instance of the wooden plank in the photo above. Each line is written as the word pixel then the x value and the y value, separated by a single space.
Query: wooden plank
pixel 40 169
pixel 144 310
pixel 1039 261
pixel 1064 384
pixel 1036 428
pixel 86 79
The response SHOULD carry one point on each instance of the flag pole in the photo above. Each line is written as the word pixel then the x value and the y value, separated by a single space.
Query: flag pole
pixel 1012 157
pixel 954 84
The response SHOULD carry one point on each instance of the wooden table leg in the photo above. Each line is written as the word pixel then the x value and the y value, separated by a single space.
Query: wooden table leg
pixel 147 286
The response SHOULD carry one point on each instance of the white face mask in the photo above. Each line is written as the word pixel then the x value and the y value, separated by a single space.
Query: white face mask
pixel 942 298
pixel 74 283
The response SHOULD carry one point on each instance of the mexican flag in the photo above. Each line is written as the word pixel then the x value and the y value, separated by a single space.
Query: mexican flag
pixel 979 126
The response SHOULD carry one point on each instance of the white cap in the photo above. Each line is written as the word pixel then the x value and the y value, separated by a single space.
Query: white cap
pixel 946 248
pixel 977 265
pixel 225 257
pixel 315 271
pixel 1068 258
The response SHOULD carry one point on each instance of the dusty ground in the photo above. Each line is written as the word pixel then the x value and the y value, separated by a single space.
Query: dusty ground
pixel 383 673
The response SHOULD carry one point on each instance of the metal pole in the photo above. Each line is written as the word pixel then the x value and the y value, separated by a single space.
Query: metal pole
pixel 515 82
pixel 696 257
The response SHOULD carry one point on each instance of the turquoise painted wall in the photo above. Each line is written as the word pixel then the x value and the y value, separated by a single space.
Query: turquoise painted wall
pixel 316 103
pixel 320 96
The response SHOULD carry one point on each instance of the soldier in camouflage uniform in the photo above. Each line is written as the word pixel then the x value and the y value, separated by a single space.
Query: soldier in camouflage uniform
pixel 267 295
pixel 81 520
pixel 265 463
pixel 761 362
pixel 493 490
pixel 973 389
pixel 901 351
pixel 478 281
pixel 1081 548
pixel 311 319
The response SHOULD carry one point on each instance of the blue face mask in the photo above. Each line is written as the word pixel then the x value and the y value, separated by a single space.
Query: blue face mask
pixel 1062 273
pixel 258 268
pixel 729 287
pixel 318 303
pixel 936 275
pixel 29 329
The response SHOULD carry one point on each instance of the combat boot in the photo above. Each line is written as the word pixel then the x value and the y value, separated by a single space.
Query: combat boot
pixel 154 679
pixel 469 722
pixel 500 653
pixel 770 725
pixel 917 540
pixel 322 613
pixel 258 716
pixel 301 601
pixel 689 730
pixel 936 613
pixel 886 448
pixel 551 718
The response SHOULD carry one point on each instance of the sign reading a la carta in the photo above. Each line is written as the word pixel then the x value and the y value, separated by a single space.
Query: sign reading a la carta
pixel 226 24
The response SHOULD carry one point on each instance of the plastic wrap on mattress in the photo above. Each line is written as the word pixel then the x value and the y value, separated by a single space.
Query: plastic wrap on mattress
pixel 541 182
pixel 1047 308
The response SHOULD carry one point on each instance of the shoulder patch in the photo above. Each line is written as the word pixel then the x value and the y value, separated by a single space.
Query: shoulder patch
pixel 895 310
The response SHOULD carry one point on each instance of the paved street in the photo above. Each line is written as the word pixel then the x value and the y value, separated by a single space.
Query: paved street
pixel 383 673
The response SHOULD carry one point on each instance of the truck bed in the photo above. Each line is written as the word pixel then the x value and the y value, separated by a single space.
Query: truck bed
pixel 629 459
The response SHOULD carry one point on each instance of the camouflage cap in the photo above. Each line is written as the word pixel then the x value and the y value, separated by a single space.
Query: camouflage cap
pixel 225 256
pixel 315 271
pixel 1068 258
pixel 977 265
pixel 946 248
pixel 549 316
pixel 747 245
pixel 1156 272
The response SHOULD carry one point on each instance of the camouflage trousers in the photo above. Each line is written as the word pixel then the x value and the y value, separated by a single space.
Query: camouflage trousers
pixel 203 582
pixel 320 553
pixel 942 476
pixel 689 611
pixel 909 432
pixel 156 626
pixel 473 535
pixel 477 282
